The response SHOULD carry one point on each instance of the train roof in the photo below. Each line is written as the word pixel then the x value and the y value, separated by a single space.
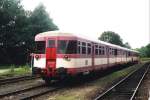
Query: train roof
pixel 70 34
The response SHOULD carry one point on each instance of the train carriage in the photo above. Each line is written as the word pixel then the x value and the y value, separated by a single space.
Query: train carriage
pixel 58 54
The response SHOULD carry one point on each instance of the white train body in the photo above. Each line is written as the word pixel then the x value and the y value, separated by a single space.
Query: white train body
pixel 60 53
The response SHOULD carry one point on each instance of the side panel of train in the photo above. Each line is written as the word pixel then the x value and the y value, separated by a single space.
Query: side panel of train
pixel 56 56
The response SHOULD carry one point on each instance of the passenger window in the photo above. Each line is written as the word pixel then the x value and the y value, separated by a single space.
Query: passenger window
pixel 89 48
pixel 115 52
pixel 83 48
pixel 103 51
pixel 110 51
pixel 100 51
pixel 96 49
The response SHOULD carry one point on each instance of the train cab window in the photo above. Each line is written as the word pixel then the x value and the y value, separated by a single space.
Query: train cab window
pixel 67 47
pixel 40 47
pixel 51 43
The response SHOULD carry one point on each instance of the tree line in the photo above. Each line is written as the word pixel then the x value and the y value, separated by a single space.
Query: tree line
pixel 144 51
pixel 18 28
pixel 114 38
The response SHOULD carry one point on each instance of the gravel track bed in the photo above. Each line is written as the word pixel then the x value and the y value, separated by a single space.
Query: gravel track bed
pixel 143 92
pixel 21 95
pixel 84 89
pixel 20 85
pixel 78 89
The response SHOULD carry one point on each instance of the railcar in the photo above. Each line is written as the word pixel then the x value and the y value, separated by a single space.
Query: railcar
pixel 58 54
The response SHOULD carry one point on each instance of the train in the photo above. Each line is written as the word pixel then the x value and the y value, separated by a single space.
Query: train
pixel 59 54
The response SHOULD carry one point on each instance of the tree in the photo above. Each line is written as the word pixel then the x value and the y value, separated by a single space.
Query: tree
pixel 12 26
pixel 18 28
pixel 144 51
pixel 127 45
pixel 40 20
pixel 114 38
pixel 111 37
pixel 147 51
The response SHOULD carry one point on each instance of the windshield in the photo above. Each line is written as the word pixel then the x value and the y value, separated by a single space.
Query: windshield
pixel 67 47
pixel 40 47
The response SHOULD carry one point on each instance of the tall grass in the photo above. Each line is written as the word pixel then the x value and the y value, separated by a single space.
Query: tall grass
pixel 13 70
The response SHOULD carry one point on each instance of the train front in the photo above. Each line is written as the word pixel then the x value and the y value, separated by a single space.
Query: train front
pixel 52 56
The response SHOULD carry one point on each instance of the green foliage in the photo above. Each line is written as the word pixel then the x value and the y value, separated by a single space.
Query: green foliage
pixel 40 20
pixel 127 45
pixel 15 70
pixel 144 51
pixel 114 38
pixel 18 28
pixel 111 37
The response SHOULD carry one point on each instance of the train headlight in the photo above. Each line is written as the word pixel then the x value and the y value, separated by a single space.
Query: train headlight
pixel 66 58
pixel 37 57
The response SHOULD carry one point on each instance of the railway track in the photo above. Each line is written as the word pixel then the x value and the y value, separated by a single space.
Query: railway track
pixel 127 87
pixel 16 79
pixel 28 93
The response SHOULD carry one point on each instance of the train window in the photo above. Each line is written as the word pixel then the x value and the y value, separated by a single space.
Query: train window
pixel 100 51
pixel 40 47
pixel 83 44
pixel 79 49
pixel 89 48
pixel 89 45
pixel 129 54
pixel 67 47
pixel 96 51
pixel 79 43
pixel 96 46
pixel 110 52
pixel 83 50
pixel 103 51
pixel 51 43
pixel 115 52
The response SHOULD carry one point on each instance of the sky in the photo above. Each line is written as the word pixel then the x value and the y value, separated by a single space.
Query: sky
pixel 128 18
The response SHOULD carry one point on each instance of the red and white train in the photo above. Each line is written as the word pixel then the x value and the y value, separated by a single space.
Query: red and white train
pixel 59 53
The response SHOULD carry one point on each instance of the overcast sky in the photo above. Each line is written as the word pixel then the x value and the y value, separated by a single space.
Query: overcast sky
pixel 128 18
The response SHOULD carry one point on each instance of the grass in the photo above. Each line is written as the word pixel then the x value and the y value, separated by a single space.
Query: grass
pixel 90 89
pixel 14 70
pixel 145 59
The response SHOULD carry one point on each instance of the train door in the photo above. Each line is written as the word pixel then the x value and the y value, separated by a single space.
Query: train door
pixel 51 56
